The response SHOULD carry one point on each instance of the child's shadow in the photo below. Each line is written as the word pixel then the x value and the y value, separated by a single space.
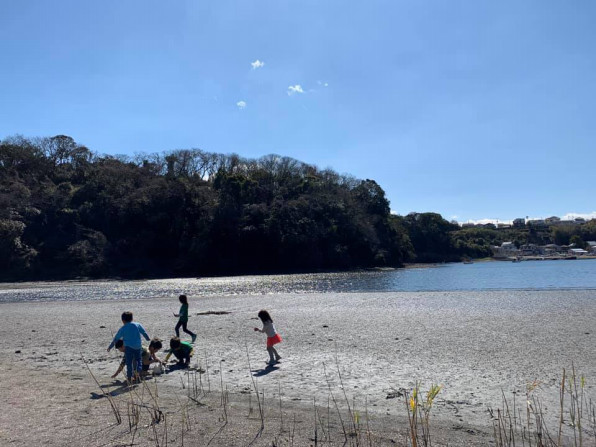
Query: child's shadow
pixel 175 367
pixel 263 372
pixel 122 388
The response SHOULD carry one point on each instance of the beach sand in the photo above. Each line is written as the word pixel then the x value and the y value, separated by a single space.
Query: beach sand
pixel 477 345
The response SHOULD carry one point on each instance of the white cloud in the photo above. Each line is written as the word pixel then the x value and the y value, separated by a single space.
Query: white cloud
pixel 587 216
pixel 241 104
pixel 324 84
pixel 295 89
pixel 257 64
pixel 487 221
pixel 568 216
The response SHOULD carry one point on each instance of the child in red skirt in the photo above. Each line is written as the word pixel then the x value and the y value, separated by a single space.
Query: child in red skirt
pixel 273 337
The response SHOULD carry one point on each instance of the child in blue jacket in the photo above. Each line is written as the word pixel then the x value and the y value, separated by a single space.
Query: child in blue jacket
pixel 130 333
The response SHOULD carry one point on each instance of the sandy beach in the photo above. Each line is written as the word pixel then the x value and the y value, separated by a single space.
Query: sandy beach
pixel 477 345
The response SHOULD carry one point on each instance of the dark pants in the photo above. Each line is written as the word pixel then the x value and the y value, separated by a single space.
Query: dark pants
pixel 183 324
pixel 182 357
pixel 134 362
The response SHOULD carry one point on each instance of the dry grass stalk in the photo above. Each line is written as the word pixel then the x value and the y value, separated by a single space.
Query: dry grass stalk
pixel 343 388
pixel 343 427
pixel 115 409
pixel 316 437
pixel 254 384
pixel 419 410
pixel 511 430
pixel 281 413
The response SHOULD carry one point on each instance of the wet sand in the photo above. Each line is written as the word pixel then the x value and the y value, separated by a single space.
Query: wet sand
pixel 475 344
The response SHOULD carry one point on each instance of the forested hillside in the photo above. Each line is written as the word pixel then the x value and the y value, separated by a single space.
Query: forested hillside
pixel 67 212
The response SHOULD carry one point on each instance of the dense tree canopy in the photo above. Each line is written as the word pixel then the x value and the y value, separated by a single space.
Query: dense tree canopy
pixel 66 211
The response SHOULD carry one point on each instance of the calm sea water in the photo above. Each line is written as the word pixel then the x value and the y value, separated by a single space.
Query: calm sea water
pixel 532 275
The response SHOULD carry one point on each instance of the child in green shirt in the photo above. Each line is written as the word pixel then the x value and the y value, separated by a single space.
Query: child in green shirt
pixel 182 350
pixel 183 319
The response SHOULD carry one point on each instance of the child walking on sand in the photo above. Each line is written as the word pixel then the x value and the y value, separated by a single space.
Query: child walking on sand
pixel 183 318
pixel 130 333
pixel 273 337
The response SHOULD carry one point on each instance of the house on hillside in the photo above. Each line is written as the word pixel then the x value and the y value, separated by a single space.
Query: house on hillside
pixel 537 223
pixel 552 249
pixel 506 250
pixel 577 252
pixel 531 250
pixel 520 222
pixel 591 246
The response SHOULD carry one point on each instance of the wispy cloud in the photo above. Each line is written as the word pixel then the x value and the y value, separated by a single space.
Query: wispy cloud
pixel 567 216
pixel 241 105
pixel 257 64
pixel 292 89
pixel 487 221
pixel 323 84
pixel 587 216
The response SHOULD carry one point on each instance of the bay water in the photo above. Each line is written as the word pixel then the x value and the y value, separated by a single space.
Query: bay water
pixel 526 275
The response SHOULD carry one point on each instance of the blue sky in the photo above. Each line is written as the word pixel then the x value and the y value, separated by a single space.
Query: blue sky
pixel 476 110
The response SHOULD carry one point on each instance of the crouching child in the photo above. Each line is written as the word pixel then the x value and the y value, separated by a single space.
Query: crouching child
pixel 148 356
pixel 182 350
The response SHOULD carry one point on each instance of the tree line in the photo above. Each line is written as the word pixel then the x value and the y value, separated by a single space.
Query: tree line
pixel 67 212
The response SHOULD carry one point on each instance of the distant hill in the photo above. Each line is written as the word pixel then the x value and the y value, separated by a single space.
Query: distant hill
pixel 68 212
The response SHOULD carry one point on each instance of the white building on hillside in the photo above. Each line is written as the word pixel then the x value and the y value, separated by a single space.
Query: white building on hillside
pixel 506 250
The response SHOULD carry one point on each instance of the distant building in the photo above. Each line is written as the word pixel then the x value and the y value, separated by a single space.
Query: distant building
pixel 531 250
pixel 537 223
pixel 577 251
pixel 506 250
pixel 591 246
pixel 553 220
pixel 519 222
pixel 503 225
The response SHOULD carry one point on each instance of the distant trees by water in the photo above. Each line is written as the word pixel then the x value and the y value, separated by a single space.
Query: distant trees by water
pixel 67 212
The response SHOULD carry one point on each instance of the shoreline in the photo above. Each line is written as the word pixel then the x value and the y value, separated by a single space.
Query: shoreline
pixel 473 343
